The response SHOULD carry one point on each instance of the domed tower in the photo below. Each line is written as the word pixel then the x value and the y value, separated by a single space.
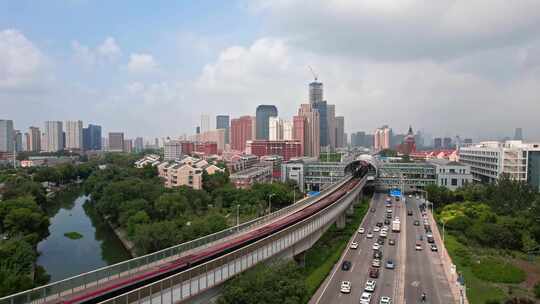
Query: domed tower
pixel 409 144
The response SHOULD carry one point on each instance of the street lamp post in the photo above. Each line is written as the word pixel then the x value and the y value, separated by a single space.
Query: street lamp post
pixel 270 202
pixel 237 215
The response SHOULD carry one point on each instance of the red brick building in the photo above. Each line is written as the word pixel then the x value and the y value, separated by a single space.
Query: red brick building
pixel 242 130
pixel 207 148
pixel 287 149
pixel 187 147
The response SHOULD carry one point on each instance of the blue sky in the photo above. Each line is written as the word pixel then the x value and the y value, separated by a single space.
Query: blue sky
pixel 151 68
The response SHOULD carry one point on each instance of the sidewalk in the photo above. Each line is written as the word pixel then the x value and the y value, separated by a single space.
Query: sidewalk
pixel 448 266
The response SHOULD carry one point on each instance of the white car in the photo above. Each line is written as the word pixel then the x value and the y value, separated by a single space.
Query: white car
pixel 361 230
pixel 365 298
pixel 376 229
pixel 376 246
pixel 388 210
pixel 345 287
pixel 370 286
pixel 384 228
pixel 385 300
pixel 384 233
pixel 410 195
pixel 369 235
pixel 418 247
pixel 354 245
pixel 376 263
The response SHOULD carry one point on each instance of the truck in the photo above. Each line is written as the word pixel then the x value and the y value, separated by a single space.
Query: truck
pixel 396 226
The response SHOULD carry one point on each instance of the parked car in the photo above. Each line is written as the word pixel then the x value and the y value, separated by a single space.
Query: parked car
pixel 345 287
pixel 346 265
pixel 377 254
pixel 386 221
pixel 380 241
pixel 409 213
pixel 361 230
pixel 354 245
pixel 379 224
pixel 376 229
pixel 373 210
pixel 376 263
pixel 417 223
pixel 418 247
pixel 369 235
pixel 385 300
pixel 376 246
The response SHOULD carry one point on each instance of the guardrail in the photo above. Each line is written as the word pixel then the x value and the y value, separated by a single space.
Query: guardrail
pixel 163 292
pixel 130 267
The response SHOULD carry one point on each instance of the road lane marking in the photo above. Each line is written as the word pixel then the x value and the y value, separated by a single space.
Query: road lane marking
pixel 336 267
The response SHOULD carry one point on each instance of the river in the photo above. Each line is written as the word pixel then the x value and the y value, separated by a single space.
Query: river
pixel 63 257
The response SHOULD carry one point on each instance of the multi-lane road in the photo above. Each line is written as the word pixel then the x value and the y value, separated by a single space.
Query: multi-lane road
pixel 416 271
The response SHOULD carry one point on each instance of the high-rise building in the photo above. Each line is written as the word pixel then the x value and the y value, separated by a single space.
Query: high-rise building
pixel 275 128
pixel 116 142
pixel 518 134
pixel 287 130
pixel 74 134
pixel 34 139
pixel 53 137
pixel 18 140
pixel 205 123
pixel 340 132
pixel 242 130
pixel 381 138
pixel 92 138
pixel 222 122
pixel 332 125
pixel 467 141
pixel 128 145
pixel 138 145
pixel 299 130
pixel 312 144
pixel 447 143
pixel 315 92
pixel 216 136
pixel 6 135
pixel 263 114
pixel 437 143
pixel 322 108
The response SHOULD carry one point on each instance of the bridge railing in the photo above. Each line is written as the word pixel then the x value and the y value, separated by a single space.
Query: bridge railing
pixel 126 269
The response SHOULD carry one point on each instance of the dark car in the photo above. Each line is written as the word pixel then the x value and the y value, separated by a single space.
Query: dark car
pixel 373 210
pixel 430 239
pixel 391 242
pixel 386 221
pixel 373 272
pixel 379 224
pixel 427 228
pixel 377 254
pixel 388 215
pixel 434 247
pixel 409 213
pixel 417 223
pixel 380 241
pixel 346 265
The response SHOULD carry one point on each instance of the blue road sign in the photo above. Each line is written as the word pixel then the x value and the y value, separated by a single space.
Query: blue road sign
pixel 395 192
pixel 313 193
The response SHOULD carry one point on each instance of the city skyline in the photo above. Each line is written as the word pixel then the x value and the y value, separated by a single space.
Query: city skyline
pixel 259 54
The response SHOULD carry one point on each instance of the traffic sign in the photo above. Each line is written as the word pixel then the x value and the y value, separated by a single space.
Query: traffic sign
pixel 395 192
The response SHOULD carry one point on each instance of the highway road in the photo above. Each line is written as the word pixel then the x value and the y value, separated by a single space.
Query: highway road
pixel 416 271
pixel 361 258
pixel 424 272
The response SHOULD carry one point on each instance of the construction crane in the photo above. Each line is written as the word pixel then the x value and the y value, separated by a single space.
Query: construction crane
pixel 313 72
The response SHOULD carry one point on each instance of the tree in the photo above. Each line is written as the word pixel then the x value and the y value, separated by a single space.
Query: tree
pixel 155 236
pixel 280 283
pixel 138 218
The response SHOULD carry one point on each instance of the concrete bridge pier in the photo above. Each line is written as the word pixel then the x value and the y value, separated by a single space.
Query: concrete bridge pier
pixel 301 259
pixel 341 220
pixel 350 210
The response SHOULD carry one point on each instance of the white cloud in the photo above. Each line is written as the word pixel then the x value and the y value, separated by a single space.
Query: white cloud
pixel 401 30
pixel 21 63
pixel 141 63
pixel 108 51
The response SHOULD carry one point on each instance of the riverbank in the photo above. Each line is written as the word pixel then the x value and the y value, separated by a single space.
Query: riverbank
pixel 121 234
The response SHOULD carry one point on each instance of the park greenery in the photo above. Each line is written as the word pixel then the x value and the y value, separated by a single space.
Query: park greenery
pixel 155 217
pixel 24 223
pixel 488 227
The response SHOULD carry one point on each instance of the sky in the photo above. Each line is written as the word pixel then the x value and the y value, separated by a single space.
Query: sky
pixel 151 68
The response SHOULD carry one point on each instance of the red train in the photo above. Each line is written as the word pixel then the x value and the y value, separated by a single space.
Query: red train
pixel 183 263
